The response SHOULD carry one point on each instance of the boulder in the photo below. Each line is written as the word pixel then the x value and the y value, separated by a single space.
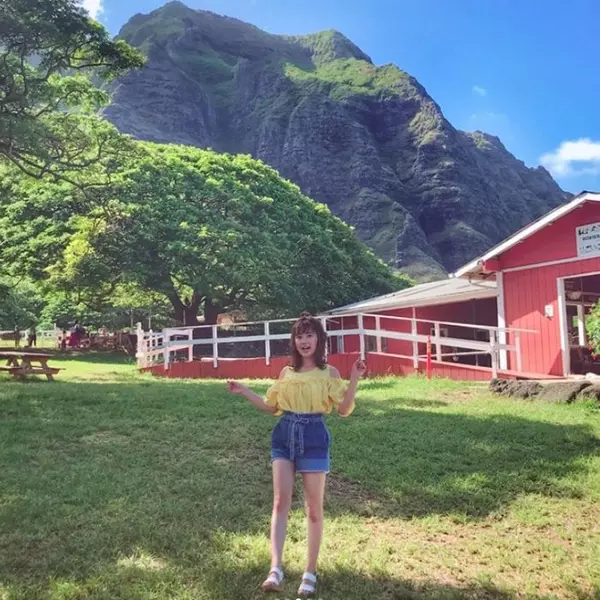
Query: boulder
pixel 591 392
pixel 563 391
pixel 516 389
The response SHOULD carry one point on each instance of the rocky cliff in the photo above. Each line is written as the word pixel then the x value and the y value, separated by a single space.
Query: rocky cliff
pixel 367 140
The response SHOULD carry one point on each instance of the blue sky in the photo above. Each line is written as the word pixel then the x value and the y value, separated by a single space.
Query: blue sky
pixel 525 70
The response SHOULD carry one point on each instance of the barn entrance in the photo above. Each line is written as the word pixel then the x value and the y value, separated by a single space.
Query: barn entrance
pixel 581 293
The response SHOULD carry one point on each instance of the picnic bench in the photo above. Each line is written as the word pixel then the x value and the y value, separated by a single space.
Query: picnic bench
pixel 21 364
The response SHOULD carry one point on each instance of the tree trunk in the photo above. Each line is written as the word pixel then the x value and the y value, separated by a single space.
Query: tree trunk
pixel 186 311
pixel 190 316
pixel 211 312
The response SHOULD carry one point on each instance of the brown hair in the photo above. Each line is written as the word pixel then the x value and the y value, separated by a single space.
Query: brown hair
pixel 305 324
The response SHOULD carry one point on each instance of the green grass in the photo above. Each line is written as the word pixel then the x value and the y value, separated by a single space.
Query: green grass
pixel 116 485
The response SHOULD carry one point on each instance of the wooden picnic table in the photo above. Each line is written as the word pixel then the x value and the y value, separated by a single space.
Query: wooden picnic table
pixel 21 364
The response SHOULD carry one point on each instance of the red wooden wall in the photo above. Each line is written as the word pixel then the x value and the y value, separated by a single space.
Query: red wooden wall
pixel 478 312
pixel 555 242
pixel 377 364
pixel 526 293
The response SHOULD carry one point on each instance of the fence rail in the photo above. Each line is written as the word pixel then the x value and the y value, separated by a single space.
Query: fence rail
pixel 176 343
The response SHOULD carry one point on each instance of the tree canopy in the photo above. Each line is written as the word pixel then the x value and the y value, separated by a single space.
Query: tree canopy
pixel 210 232
pixel 94 223
pixel 50 54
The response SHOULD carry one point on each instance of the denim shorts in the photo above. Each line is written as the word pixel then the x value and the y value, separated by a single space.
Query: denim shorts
pixel 303 439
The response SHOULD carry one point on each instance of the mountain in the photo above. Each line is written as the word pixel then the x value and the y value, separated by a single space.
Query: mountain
pixel 366 140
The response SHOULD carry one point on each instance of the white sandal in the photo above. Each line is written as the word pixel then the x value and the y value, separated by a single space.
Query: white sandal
pixel 309 584
pixel 273 582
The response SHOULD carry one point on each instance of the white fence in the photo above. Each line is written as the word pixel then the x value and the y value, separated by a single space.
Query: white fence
pixel 45 337
pixel 178 343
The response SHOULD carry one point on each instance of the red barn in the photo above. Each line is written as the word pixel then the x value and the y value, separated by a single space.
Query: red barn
pixel 548 278
pixel 518 311
pixel 533 291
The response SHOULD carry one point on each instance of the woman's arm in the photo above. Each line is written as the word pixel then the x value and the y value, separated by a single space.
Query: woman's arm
pixel 238 388
pixel 359 368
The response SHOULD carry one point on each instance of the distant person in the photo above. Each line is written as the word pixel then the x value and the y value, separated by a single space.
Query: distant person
pixel 32 336
pixel 300 442
pixel 63 340
pixel 17 336
pixel 76 335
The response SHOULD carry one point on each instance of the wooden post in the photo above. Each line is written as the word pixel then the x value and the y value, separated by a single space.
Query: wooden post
pixel 324 324
pixel 494 353
pixel 581 325
pixel 191 346
pixel 429 366
pixel 166 353
pixel 518 349
pixel 215 341
pixel 150 345
pixel 140 354
pixel 438 346
pixel 502 333
pixel 267 343
pixel 361 334
pixel 415 343
pixel 378 328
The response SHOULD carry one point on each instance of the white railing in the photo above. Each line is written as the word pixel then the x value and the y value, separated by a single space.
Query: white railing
pixel 178 343
pixel 45 337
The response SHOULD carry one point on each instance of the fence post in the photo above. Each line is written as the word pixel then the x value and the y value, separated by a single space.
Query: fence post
pixel 190 334
pixel 267 343
pixel 150 345
pixel 415 345
pixel 361 336
pixel 518 348
pixel 140 354
pixel 429 366
pixel 438 347
pixel 494 353
pixel 166 354
pixel 324 324
pixel 215 342
pixel 378 328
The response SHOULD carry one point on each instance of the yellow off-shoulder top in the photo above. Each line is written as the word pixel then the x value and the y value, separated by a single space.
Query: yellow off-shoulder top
pixel 314 391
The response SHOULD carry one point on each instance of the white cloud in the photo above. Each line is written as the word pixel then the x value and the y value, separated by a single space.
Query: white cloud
pixel 94 7
pixel 477 89
pixel 573 158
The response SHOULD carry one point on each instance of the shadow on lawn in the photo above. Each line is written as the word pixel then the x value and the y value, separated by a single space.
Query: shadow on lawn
pixel 401 462
pixel 343 584
pixel 162 578
pixel 93 472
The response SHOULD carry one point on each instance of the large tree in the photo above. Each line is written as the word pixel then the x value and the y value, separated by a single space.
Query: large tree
pixel 211 232
pixel 50 54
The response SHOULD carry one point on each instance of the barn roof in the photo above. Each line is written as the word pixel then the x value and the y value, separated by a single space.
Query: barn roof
pixel 425 294
pixel 476 267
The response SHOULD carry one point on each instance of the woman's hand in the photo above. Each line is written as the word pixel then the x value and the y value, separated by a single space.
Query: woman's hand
pixel 359 368
pixel 235 387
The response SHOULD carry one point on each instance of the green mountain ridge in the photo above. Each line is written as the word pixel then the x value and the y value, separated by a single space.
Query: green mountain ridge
pixel 367 140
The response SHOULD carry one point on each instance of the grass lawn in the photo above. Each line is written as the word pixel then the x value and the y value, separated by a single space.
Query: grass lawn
pixel 121 486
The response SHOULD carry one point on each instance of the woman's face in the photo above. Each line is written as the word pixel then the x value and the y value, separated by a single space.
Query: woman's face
pixel 306 343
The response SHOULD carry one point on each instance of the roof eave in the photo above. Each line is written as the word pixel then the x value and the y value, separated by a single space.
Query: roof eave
pixel 476 267
pixel 447 299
